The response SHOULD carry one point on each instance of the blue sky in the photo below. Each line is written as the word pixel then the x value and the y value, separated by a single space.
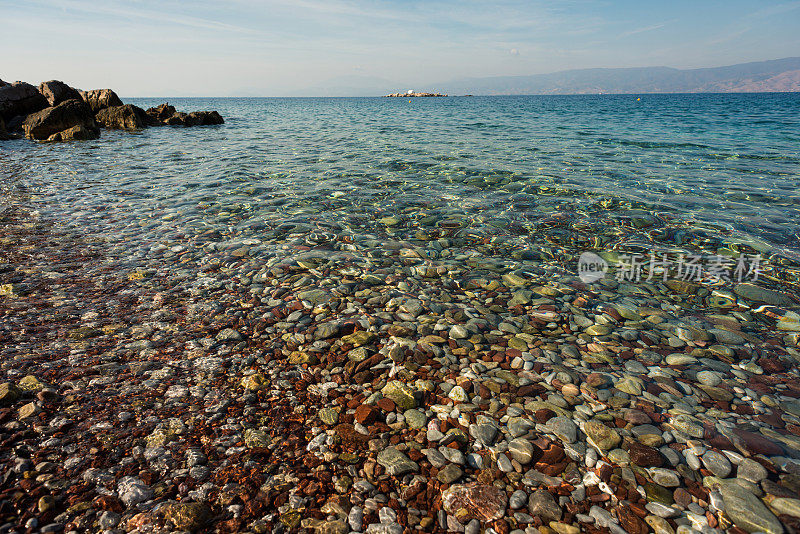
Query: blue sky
pixel 271 47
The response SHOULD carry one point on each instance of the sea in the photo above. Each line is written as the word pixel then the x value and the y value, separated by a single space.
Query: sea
pixel 555 176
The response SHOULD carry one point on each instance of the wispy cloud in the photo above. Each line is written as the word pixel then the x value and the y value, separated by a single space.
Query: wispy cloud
pixel 643 29
pixel 161 17
pixel 778 9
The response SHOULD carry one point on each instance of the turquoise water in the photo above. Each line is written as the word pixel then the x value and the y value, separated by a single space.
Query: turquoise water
pixel 551 175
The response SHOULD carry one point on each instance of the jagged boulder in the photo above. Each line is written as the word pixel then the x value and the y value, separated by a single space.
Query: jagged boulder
pixel 2 83
pixel 162 113
pixel 203 118
pixel 20 98
pixel 41 125
pixel 127 117
pixel 3 134
pixel 166 114
pixel 177 119
pixel 100 99
pixel 76 133
pixel 57 92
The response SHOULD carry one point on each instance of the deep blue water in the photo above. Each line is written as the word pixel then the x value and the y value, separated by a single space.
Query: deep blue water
pixel 711 171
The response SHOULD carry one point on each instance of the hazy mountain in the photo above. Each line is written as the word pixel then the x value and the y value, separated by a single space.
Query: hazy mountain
pixel 759 76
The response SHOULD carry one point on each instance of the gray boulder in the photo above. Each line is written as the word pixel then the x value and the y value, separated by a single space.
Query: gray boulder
pixel 57 92
pixel 52 120
pixel 20 98
pixel 100 99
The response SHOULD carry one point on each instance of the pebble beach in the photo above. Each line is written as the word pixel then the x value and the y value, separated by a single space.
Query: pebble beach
pixel 205 333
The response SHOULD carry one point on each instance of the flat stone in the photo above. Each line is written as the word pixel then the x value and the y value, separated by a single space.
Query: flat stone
pixel 314 296
pixel 9 393
pixel 453 455
pixel 659 494
pixel 680 359
pixel 357 339
pixel 717 463
pixel 751 443
pixel 645 456
pixel 254 438
pixel 688 425
pixel 659 525
pixel 761 294
pixel 751 471
pixel 402 394
pixel 564 528
pixel 709 378
pixel 747 511
pixel 449 474
pixel 486 433
pixel 603 437
pixel 329 416
pixel 564 429
pixel 598 330
pixel 415 418
pixel 630 385
pixel 395 462
pixel 187 516
pixel 458 394
pixel 542 504
pixel 726 336
pixel 665 477
pixel 132 490
pixel 518 499
pixel 784 505
pixel 475 501
pixel 522 450
pixel 436 458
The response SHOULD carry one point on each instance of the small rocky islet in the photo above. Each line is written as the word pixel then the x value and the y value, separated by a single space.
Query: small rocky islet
pixel 412 94
pixel 57 112
pixel 418 377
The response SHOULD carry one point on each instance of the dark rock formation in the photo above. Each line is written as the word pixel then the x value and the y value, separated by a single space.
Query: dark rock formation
pixel 20 98
pixel 73 114
pixel 57 92
pixel 76 133
pixel 52 120
pixel 166 114
pixel 101 98
pixel 162 112
pixel 203 118
pixel 126 117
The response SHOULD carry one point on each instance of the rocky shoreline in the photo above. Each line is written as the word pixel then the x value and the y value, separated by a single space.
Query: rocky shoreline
pixel 387 397
pixel 401 375
pixel 57 112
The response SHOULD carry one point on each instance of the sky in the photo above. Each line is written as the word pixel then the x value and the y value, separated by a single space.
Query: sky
pixel 286 48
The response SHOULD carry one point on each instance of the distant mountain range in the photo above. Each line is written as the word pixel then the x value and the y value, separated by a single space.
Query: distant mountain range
pixel 759 76
pixel 779 75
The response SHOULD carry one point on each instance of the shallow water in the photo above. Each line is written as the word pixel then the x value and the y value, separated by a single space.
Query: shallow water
pixel 674 172
pixel 243 287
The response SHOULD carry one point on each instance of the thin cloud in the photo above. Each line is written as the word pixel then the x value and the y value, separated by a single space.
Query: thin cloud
pixel 643 30
pixel 775 10
pixel 152 16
